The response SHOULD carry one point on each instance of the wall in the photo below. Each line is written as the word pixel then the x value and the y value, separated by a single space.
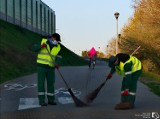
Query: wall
pixel 33 15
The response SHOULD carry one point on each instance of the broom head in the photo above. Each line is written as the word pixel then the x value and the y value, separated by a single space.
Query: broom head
pixel 91 96
pixel 77 102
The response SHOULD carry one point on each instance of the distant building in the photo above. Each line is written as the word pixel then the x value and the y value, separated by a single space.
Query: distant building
pixel 30 14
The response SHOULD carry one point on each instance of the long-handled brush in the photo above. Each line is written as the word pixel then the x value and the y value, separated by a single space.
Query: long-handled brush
pixel 77 101
pixel 91 96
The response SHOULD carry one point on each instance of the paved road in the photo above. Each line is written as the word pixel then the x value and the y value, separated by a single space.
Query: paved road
pixel 18 98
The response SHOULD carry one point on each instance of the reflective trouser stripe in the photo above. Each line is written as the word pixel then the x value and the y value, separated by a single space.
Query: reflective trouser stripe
pixel 50 94
pixel 132 93
pixel 41 93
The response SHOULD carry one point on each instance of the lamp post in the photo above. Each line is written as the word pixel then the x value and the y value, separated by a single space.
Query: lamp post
pixel 119 36
pixel 107 49
pixel 116 16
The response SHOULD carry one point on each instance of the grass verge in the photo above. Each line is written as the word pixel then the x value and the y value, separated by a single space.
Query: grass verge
pixel 152 81
pixel 17 60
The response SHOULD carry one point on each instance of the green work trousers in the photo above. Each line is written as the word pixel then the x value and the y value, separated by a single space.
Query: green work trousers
pixel 48 74
pixel 130 84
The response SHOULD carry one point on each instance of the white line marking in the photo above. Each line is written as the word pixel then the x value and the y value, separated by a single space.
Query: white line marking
pixel 64 96
pixel 28 103
pixel 65 100
pixel 61 94
pixel 19 87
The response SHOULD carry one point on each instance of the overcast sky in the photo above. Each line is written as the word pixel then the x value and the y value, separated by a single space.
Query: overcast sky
pixel 89 23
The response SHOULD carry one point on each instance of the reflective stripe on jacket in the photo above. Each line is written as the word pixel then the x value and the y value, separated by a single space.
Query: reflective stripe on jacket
pixel 44 57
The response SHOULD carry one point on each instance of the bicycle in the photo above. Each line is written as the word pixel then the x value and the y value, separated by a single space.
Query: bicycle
pixel 92 63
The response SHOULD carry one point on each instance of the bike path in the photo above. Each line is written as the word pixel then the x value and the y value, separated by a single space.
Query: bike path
pixel 20 101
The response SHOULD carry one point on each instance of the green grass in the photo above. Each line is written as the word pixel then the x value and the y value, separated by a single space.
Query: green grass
pixel 16 58
pixel 70 58
pixel 151 75
pixel 155 87
pixel 152 81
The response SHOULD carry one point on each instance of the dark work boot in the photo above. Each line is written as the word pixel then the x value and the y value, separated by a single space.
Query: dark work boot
pixel 52 103
pixel 124 105
pixel 43 104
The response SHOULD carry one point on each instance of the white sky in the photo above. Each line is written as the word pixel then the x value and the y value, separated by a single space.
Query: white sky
pixel 83 24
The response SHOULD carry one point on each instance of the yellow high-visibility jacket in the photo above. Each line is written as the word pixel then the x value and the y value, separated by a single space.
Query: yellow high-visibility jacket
pixel 44 57
pixel 135 67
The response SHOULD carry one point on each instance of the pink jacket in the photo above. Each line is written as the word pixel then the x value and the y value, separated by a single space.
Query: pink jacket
pixel 92 52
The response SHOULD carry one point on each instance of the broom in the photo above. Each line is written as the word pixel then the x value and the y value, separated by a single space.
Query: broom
pixel 77 101
pixel 91 96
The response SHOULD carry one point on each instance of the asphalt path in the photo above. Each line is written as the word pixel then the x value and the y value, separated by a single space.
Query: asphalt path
pixel 18 98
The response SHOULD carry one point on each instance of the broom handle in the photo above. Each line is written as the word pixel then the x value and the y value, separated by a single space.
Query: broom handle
pixel 58 70
pixel 136 50
pixel 106 80
pixel 63 78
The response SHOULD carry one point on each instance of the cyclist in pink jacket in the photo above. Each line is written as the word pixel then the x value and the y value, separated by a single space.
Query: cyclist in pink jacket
pixel 92 56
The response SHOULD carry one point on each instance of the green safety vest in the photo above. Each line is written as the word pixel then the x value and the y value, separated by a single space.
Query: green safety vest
pixel 44 57
pixel 136 66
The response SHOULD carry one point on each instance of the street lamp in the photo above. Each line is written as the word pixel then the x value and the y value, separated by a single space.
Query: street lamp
pixel 116 16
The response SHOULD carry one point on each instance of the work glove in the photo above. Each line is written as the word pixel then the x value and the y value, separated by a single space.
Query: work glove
pixel 109 76
pixel 125 93
pixel 43 45
pixel 56 66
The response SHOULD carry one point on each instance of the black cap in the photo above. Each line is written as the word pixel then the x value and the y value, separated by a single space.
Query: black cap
pixel 111 61
pixel 46 36
pixel 57 36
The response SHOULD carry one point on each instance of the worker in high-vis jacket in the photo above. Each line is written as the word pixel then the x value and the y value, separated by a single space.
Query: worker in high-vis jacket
pixel 49 47
pixel 130 68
